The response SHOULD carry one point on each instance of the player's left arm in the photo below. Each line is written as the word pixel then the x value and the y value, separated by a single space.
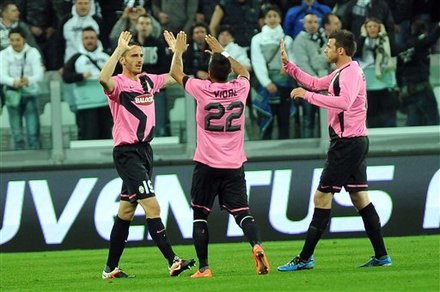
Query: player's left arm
pixel 216 47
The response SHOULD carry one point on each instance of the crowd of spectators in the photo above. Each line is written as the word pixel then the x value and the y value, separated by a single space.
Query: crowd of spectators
pixel 395 40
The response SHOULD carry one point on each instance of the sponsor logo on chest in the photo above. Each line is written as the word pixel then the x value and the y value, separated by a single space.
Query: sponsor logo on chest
pixel 144 99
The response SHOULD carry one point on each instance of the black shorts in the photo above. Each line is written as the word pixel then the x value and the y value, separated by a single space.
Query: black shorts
pixel 228 184
pixel 345 166
pixel 134 164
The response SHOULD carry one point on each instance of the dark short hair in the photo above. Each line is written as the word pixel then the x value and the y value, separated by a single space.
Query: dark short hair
pixel 200 24
pixel 344 39
pixel 18 30
pixel 271 7
pixel 373 19
pixel 219 67
pixel 131 44
pixel 226 28
pixel 89 28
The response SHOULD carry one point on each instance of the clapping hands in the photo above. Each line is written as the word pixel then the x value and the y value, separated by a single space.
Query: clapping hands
pixel 214 44
pixel 176 44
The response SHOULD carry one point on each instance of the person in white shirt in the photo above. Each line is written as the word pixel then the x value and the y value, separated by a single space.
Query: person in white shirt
pixel 21 69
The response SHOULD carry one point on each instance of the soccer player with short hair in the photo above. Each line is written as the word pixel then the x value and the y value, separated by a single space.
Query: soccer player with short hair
pixel 131 101
pixel 346 166
pixel 219 155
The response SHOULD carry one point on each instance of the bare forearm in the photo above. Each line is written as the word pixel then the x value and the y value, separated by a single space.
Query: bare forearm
pixel 238 69
pixel 108 69
pixel 177 68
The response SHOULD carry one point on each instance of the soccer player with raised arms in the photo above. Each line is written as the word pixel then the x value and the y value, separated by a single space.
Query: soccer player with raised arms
pixel 131 101
pixel 219 155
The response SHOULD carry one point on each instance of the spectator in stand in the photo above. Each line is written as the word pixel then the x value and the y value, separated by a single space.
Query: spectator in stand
pixel 226 39
pixel 417 97
pixel 196 60
pixel 373 47
pixel 110 11
pixel 21 69
pixel 128 21
pixel 70 35
pixel 93 115
pixel 176 15
pixel 205 10
pixel 294 20
pixel 273 97
pixel 428 11
pixel 402 11
pixel 284 5
pixel 41 17
pixel 308 49
pixel 331 23
pixel 11 19
pixel 241 15
pixel 63 9
pixel 156 61
pixel 357 11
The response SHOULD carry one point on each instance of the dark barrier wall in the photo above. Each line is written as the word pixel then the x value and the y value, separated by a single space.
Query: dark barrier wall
pixel 71 209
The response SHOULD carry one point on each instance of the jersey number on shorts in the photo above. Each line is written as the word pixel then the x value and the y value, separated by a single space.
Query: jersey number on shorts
pixel 217 115
pixel 148 186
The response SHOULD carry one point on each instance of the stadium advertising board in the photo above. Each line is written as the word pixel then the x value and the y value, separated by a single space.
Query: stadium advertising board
pixel 75 209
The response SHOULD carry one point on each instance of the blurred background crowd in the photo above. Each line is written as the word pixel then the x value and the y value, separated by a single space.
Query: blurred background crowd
pixel 70 41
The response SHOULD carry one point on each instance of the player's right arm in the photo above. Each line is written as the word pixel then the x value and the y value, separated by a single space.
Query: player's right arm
pixel 105 77
pixel 308 81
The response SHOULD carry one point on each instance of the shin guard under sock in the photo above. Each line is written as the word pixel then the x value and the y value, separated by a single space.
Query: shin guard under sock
pixel 201 240
pixel 374 230
pixel 319 223
pixel 118 238
pixel 250 230
pixel 158 233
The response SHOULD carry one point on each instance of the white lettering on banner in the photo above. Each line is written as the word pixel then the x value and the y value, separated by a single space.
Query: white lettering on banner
pixel 55 230
pixel 170 195
pixel 253 178
pixel 432 207
pixel 13 210
pixel 279 204
pixel 382 200
pixel 106 209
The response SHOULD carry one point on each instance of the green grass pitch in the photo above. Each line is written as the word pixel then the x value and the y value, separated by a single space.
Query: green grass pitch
pixel 415 268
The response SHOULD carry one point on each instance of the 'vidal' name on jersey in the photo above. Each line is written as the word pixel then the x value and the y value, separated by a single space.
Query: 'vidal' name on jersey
pixel 225 93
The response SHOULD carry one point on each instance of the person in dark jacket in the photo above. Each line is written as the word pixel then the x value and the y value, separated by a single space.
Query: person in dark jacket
pixel 416 94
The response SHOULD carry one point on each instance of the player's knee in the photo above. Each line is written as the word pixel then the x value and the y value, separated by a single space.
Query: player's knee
pixel 151 207
pixel 243 218
pixel 200 215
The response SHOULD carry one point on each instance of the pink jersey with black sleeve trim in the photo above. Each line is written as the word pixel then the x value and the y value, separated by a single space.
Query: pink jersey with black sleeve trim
pixel 346 111
pixel 132 108
pixel 220 121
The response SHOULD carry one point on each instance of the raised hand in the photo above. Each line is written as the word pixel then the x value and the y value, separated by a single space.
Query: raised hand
pixel 180 44
pixel 170 39
pixel 213 43
pixel 123 41
pixel 284 57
